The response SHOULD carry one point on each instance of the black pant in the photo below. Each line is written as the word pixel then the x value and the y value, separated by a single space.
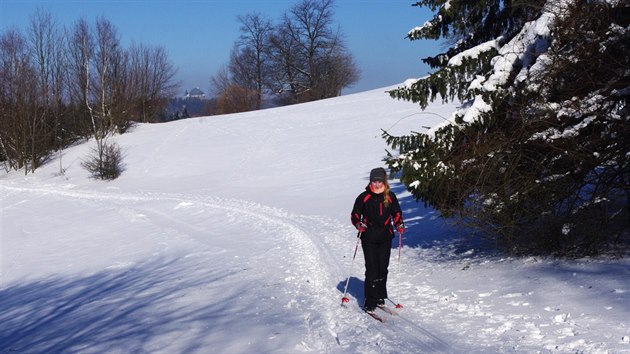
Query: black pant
pixel 376 263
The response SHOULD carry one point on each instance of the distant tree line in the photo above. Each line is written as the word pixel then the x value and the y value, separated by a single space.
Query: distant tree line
pixel 537 158
pixel 59 85
pixel 300 58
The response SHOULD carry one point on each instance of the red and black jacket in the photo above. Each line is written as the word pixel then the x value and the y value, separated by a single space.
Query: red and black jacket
pixel 370 209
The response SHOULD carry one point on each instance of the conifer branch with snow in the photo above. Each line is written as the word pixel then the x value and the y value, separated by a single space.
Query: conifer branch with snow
pixel 540 142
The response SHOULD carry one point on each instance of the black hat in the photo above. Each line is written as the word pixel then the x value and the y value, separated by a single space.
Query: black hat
pixel 378 174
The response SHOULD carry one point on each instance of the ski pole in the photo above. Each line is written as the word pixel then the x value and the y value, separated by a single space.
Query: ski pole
pixel 399 248
pixel 397 305
pixel 345 299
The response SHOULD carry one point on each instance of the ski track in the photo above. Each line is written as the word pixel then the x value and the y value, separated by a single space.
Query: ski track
pixel 316 247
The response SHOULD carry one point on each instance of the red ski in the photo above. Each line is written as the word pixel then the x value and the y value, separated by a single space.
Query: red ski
pixel 375 316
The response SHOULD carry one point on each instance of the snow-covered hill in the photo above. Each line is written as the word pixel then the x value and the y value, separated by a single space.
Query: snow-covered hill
pixel 231 234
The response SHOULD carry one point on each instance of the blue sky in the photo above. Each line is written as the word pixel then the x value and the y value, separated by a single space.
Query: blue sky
pixel 199 34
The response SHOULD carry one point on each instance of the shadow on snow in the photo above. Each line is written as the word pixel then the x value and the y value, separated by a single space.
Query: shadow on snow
pixel 426 228
pixel 355 289
pixel 122 309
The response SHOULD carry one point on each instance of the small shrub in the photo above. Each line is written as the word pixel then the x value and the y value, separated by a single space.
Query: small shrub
pixel 105 163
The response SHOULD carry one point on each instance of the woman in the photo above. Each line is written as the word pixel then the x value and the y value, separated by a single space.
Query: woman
pixel 374 212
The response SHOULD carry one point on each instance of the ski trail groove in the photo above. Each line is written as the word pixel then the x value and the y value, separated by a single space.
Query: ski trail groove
pixel 307 272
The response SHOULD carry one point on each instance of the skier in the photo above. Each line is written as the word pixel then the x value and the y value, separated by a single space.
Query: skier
pixel 374 212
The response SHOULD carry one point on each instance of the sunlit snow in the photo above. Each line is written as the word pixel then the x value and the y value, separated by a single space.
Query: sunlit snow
pixel 231 234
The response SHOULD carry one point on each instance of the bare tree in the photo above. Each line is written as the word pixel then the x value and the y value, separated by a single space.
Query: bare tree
pixel 250 59
pixel 285 71
pixel 107 52
pixel 334 71
pixel 120 92
pixel 150 80
pixel 46 51
pixel 231 97
pixel 18 102
pixel 241 85
pixel 32 89
pixel 93 50
pixel 303 58
pixel 311 53
pixel 80 55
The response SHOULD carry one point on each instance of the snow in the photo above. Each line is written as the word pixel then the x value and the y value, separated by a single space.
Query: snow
pixel 231 234
pixel 527 50
pixel 473 53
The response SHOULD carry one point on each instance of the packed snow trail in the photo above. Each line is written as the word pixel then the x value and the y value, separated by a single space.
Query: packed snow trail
pixel 302 257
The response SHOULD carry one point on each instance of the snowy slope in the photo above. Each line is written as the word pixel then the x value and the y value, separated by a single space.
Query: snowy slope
pixel 231 234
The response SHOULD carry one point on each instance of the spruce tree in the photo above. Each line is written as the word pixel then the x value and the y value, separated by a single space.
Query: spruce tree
pixel 537 156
